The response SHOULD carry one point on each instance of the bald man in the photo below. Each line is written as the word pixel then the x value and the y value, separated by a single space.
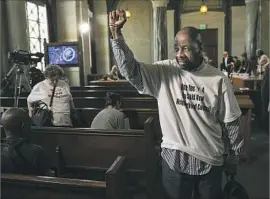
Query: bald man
pixel 195 100
pixel 18 155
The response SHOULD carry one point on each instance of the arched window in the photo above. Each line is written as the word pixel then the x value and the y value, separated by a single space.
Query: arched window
pixel 37 28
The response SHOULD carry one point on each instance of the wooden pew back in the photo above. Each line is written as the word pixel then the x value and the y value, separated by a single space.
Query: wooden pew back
pixel 97 148
pixel 89 93
pixel 38 187
pixel 103 87
pixel 137 117
pixel 92 148
pixel 93 102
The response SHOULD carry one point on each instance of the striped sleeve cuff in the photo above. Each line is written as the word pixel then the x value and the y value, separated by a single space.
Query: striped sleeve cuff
pixel 234 133
pixel 116 42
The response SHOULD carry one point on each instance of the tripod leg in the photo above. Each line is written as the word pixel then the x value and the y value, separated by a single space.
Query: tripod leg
pixel 5 83
pixel 17 79
pixel 29 88
pixel 19 90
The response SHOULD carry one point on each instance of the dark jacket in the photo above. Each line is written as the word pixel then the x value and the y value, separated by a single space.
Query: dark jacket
pixel 229 60
pixel 237 65
pixel 265 98
pixel 21 157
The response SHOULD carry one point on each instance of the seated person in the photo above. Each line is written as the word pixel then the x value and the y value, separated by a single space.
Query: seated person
pixel 236 64
pixel 62 100
pixel 251 69
pixel 244 63
pixel 114 73
pixel 18 155
pixel 111 117
pixel 227 62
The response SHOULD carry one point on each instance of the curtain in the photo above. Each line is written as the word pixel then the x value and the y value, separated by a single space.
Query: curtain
pixel 4 39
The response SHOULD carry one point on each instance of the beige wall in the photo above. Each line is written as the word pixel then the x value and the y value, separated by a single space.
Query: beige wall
pixel 138 29
pixel 67 29
pixel 238 30
pixel 213 20
pixel 66 20
pixel 170 33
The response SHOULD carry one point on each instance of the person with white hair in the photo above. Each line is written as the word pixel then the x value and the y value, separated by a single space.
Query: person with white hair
pixel 62 100
pixel 114 73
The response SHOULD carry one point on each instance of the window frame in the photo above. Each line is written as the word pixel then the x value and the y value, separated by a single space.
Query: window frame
pixel 39 23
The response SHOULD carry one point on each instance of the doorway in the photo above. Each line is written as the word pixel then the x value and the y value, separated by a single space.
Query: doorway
pixel 210 44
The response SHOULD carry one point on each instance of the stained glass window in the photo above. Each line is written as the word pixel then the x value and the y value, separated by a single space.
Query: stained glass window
pixel 37 28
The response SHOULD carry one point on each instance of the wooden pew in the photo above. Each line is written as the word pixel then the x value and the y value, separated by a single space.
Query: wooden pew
pixel 143 102
pixel 246 82
pixel 95 102
pixel 137 116
pixel 102 93
pixel 86 150
pixel 90 93
pixel 81 92
pixel 17 186
pixel 138 110
pixel 110 83
pixel 103 87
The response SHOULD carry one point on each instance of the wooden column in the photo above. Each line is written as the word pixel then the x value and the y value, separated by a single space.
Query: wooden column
pixel 177 15
pixel 52 16
pixel 4 39
pixel 111 5
pixel 92 35
pixel 160 29
pixel 252 15
pixel 228 25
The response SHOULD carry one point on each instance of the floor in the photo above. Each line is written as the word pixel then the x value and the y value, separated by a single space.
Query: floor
pixel 254 175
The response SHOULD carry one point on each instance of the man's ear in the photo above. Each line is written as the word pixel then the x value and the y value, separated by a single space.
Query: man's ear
pixel 198 47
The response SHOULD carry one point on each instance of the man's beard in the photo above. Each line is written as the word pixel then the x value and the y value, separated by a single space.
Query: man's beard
pixel 187 64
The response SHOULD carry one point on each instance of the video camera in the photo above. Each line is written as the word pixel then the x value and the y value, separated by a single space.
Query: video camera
pixel 25 57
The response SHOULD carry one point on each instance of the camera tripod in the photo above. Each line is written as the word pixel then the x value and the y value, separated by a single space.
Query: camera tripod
pixel 20 75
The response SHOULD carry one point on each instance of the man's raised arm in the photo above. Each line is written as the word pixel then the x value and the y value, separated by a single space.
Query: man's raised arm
pixel 128 66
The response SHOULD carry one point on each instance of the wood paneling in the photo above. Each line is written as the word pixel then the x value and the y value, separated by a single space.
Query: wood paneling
pixel 210 44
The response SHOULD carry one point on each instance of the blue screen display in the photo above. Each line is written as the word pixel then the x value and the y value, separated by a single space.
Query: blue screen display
pixel 63 55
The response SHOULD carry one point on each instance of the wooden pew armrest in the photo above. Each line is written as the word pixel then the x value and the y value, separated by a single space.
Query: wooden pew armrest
pixel 115 179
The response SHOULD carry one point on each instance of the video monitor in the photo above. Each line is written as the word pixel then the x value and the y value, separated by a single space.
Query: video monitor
pixel 63 55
